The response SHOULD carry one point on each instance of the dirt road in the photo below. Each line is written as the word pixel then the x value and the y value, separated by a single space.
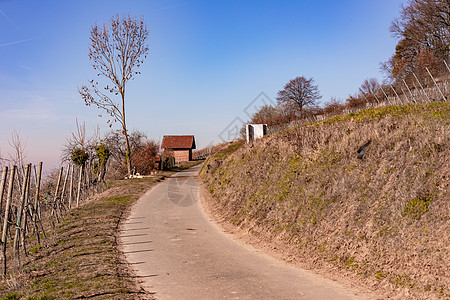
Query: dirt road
pixel 181 254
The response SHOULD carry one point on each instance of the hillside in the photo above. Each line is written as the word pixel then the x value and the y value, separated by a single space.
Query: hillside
pixel 383 220
pixel 81 257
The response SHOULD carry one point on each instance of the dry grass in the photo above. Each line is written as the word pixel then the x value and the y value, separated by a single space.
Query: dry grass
pixel 80 257
pixel 383 219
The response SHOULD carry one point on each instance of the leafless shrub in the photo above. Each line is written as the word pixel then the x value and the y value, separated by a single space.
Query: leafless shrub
pixel 18 145
pixel 80 140
pixel 144 152
pixel 334 106
pixel 143 159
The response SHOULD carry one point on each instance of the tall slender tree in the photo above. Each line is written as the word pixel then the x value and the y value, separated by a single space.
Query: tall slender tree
pixel 116 50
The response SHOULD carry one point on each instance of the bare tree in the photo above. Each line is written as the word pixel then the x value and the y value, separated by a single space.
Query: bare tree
pixel 116 50
pixel 267 115
pixel 80 140
pixel 423 30
pixel 300 92
pixel 2 160
pixel 369 86
pixel 18 146
pixel 427 24
pixel 116 146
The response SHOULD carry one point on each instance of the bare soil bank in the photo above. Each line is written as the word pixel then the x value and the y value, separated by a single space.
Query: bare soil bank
pixel 383 220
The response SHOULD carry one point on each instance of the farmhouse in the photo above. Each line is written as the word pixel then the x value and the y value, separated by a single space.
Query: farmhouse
pixel 178 146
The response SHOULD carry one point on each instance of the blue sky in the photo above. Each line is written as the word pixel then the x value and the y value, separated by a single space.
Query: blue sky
pixel 209 62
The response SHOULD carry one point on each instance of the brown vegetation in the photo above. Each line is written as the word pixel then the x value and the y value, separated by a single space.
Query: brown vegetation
pixel 143 155
pixel 383 219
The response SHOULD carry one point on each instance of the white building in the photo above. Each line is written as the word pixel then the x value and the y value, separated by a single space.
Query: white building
pixel 255 131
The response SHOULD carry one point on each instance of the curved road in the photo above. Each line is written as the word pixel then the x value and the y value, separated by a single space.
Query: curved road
pixel 180 254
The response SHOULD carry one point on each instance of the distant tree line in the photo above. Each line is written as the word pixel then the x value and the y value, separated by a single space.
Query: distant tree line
pixel 422 51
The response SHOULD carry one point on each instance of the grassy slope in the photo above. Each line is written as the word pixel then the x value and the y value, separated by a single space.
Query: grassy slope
pixel 81 257
pixel 383 219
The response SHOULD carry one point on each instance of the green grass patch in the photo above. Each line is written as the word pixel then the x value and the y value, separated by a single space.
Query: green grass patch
pixel 186 165
pixel 415 208
pixel 35 249
pixel 223 154
pixel 120 200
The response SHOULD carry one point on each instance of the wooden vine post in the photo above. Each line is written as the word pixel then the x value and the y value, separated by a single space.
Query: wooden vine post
pixel 87 171
pixel 65 185
pixel 20 211
pixel 26 210
pixel 71 187
pixel 55 197
pixel 6 218
pixel 79 185
pixel 36 215
pixel 2 187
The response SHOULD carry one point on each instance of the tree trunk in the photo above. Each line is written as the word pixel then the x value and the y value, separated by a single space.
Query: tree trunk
pixel 128 154
pixel 300 108
pixel 125 133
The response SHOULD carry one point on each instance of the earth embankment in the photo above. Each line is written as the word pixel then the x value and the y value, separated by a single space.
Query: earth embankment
pixel 366 194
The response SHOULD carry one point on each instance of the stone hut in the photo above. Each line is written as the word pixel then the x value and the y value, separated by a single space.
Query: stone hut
pixel 178 146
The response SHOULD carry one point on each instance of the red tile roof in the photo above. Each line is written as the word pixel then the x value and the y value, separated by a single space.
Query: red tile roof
pixel 178 141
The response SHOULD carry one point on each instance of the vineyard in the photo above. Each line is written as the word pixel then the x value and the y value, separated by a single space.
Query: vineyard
pixel 29 204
